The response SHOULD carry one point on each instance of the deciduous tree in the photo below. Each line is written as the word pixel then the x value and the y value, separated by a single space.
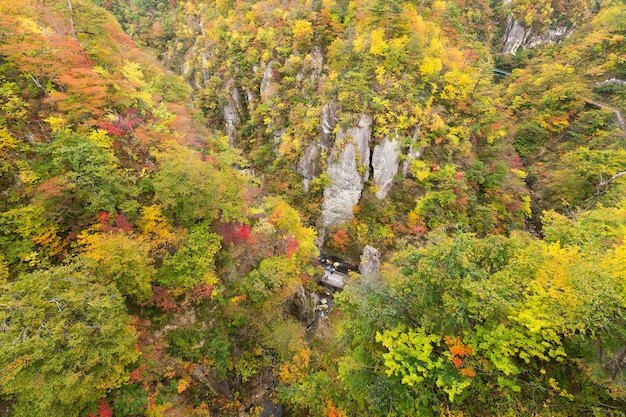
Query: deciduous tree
pixel 65 342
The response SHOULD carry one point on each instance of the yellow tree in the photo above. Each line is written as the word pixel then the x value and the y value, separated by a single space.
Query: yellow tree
pixel 120 258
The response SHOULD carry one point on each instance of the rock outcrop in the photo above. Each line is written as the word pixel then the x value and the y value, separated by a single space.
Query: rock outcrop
pixel 204 56
pixel 310 164
pixel 385 162
pixel 517 36
pixel 277 138
pixel 514 36
pixel 556 35
pixel 314 65
pixel 348 169
pixel 305 305
pixel 207 377
pixel 268 87
pixel 370 265
pixel 328 123
pixel 232 112
pixel 615 81
pixel 414 152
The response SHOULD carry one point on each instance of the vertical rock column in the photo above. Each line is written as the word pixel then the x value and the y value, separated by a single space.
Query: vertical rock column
pixel 232 112
pixel 348 169
pixel 385 162
pixel 309 166
pixel 370 265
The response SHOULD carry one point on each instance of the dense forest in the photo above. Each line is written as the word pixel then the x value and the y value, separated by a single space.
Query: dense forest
pixel 176 176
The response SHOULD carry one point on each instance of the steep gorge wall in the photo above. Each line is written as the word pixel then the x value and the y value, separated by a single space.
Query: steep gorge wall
pixel 517 36
pixel 331 110
pixel 529 25
pixel 347 156
pixel 348 170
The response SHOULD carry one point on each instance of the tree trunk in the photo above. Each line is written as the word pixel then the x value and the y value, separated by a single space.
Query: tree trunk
pixel 72 25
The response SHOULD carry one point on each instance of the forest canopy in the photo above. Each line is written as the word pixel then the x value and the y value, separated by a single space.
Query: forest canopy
pixel 177 176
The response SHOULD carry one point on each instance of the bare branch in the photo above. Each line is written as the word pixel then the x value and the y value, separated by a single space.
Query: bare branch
pixel 603 186
pixel 38 84
pixel 613 178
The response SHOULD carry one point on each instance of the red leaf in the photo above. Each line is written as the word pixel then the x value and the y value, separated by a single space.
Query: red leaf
pixel 122 223
pixel 103 410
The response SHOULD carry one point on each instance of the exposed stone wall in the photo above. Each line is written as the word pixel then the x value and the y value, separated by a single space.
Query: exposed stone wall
pixel 385 162
pixel 518 36
pixel 348 169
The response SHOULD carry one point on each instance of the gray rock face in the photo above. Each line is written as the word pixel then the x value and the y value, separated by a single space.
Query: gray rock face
pixel 309 166
pixel 314 65
pixel 414 152
pixel 350 153
pixel 267 84
pixel 304 305
pixel 205 59
pixel 517 36
pixel 360 137
pixel 345 190
pixel 514 36
pixel 616 81
pixel 370 264
pixel 385 161
pixel 232 112
pixel 277 140
pixel 556 35
pixel 317 62
pixel 329 121
pixel 251 99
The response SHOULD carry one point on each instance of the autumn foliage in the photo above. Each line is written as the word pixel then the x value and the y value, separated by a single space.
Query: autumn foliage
pixel 159 213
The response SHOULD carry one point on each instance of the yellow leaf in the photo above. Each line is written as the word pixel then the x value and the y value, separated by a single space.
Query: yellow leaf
pixel 183 383
pixel 430 65
pixel 379 45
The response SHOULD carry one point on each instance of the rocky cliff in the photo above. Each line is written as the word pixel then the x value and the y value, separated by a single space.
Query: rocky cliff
pixel 385 163
pixel 531 24
pixel 517 36
pixel 331 112
pixel 348 170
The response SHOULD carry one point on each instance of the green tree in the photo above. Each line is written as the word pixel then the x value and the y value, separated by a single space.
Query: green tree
pixel 191 187
pixel 578 181
pixel 194 261
pixel 87 173
pixel 544 97
pixel 66 340
pixel 486 325
pixel 388 14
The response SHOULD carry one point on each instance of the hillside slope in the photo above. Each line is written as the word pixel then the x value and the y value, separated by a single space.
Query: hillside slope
pixel 124 222
pixel 159 230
